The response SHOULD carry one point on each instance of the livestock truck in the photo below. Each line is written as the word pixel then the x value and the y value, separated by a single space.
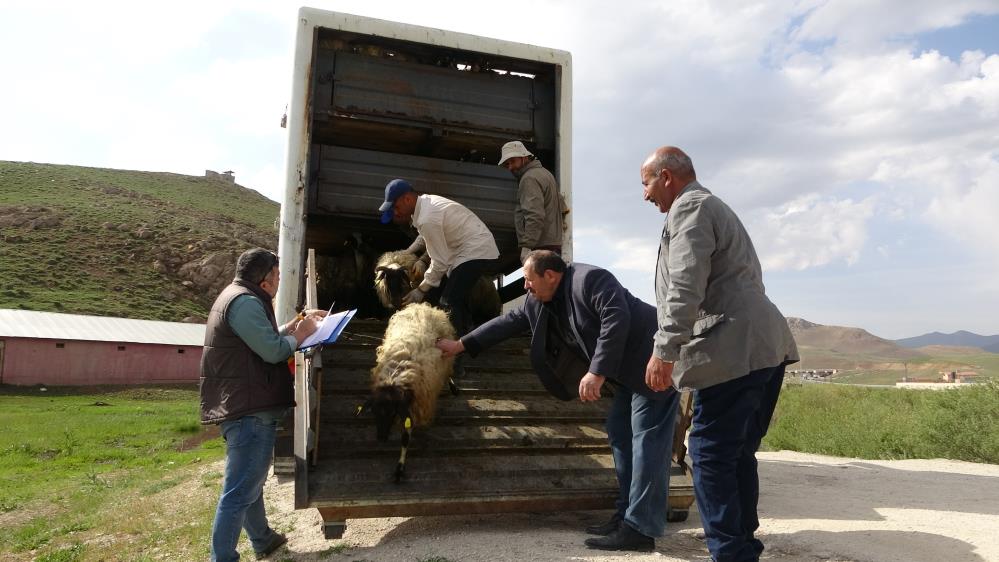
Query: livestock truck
pixel 374 100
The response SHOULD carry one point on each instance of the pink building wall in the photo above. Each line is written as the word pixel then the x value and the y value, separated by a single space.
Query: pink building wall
pixel 28 361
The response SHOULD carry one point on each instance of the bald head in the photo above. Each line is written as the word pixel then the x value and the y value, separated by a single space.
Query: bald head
pixel 664 173
pixel 673 159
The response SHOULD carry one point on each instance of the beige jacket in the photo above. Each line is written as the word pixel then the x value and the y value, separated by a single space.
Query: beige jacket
pixel 715 320
pixel 538 216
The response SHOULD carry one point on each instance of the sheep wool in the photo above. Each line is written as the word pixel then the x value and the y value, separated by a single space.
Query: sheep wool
pixel 392 280
pixel 408 358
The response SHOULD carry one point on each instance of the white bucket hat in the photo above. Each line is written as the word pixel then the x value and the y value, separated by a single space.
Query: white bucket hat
pixel 513 149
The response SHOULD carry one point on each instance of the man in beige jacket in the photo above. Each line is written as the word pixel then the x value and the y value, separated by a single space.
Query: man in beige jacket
pixel 538 215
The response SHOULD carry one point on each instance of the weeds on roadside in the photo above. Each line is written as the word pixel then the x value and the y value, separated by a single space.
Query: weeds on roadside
pixel 886 423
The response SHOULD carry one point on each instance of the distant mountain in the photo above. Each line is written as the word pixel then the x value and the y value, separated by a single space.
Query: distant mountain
pixel 845 339
pixel 960 338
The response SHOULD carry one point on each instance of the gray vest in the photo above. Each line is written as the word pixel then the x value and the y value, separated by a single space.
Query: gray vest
pixel 235 381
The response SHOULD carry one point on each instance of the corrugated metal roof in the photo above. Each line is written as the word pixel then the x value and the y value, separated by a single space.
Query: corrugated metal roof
pixel 53 325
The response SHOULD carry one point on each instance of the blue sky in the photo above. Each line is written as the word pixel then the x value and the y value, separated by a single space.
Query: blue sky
pixel 858 141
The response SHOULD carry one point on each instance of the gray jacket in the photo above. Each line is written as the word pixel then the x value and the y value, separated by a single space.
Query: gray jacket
pixel 538 216
pixel 715 320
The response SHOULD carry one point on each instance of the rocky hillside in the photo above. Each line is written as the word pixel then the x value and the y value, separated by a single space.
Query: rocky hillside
pixel 123 243
pixel 842 347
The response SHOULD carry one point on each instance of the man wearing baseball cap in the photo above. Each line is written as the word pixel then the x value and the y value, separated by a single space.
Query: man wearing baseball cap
pixel 458 242
pixel 538 217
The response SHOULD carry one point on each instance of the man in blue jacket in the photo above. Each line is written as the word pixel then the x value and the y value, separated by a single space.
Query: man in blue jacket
pixel 587 329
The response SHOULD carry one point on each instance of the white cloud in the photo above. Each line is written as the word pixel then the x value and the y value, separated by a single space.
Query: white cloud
pixel 810 232
pixel 817 120
pixel 859 24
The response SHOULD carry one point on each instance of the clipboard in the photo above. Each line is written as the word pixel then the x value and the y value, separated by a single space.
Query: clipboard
pixel 329 329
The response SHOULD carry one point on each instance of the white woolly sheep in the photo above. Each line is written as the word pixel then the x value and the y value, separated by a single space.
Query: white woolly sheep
pixel 409 373
pixel 393 282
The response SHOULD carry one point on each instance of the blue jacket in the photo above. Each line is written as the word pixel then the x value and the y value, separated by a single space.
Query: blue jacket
pixel 615 329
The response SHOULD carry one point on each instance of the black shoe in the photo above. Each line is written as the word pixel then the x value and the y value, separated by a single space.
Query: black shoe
pixel 624 538
pixel 277 541
pixel 606 528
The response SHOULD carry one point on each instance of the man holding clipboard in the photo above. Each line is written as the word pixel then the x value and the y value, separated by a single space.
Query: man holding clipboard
pixel 586 330
pixel 246 389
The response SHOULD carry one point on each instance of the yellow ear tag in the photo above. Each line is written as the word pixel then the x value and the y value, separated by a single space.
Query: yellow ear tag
pixel 359 408
pixel 408 424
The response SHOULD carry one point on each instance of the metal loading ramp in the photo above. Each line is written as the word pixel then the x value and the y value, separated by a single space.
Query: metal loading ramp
pixel 503 444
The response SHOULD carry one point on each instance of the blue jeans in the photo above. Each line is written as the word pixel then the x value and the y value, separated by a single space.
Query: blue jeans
pixel 640 430
pixel 730 419
pixel 249 446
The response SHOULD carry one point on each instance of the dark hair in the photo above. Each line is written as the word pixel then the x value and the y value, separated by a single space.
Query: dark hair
pixel 544 260
pixel 255 265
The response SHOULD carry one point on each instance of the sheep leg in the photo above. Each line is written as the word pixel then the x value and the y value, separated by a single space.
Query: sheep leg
pixel 451 385
pixel 400 469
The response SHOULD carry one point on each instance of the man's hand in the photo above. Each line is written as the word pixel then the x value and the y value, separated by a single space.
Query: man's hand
pixel 659 374
pixel 418 270
pixel 523 254
pixel 589 387
pixel 315 313
pixel 304 328
pixel 450 348
pixel 414 296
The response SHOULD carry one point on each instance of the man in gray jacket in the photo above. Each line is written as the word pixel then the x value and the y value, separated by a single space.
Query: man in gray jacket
pixel 720 336
pixel 538 215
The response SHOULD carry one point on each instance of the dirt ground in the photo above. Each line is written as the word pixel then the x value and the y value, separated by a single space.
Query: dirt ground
pixel 812 508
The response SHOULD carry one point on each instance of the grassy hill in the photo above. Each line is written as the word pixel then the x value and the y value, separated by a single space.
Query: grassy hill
pixel 123 243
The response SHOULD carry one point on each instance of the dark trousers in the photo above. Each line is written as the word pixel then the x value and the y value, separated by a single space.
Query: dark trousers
pixel 454 297
pixel 730 419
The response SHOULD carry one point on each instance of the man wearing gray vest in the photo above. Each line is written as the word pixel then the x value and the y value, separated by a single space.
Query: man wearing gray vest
pixel 720 336
pixel 246 387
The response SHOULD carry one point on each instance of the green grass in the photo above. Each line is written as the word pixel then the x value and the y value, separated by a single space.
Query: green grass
pixel 876 423
pixel 101 463
pixel 92 261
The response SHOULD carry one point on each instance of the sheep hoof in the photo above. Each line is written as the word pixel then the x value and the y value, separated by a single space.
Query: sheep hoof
pixel 453 387
pixel 400 473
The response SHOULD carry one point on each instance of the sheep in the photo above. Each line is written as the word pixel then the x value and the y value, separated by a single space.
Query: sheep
pixel 393 282
pixel 409 373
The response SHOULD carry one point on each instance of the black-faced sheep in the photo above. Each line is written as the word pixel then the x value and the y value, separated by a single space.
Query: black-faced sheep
pixel 409 373
pixel 393 281
pixel 392 278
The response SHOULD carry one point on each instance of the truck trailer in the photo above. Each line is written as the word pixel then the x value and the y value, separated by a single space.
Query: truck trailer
pixel 374 100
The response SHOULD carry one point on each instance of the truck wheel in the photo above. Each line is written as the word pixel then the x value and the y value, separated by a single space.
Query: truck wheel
pixel 677 515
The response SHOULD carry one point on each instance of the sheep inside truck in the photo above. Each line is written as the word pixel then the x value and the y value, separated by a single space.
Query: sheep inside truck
pixel 409 374
pixel 393 280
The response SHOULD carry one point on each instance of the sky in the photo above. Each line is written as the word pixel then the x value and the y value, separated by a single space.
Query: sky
pixel 858 141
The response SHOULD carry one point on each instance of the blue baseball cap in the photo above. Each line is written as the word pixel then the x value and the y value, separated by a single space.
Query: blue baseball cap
pixel 393 191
